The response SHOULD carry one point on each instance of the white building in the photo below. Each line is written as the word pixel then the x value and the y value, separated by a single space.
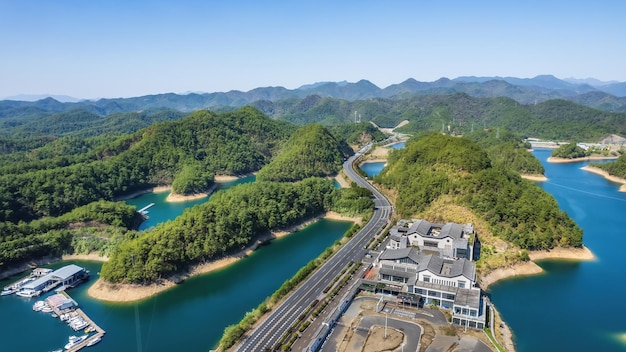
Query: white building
pixel 448 240
pixel 420 278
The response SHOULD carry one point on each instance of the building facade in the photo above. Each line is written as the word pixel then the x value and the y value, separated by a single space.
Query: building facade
pixel 420 278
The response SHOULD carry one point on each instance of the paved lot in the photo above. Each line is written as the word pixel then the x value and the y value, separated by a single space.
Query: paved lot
pixel 402 319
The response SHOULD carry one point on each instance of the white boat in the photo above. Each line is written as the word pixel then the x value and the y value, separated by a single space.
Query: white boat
pixel 79 325
pixel 28 293
pixel 8 291
pixel 75 340
pixel 46 309
pixel 39 305
pixel 94 341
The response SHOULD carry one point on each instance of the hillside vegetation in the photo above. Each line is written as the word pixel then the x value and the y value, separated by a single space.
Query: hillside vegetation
pixel 569 151
pixel 617 168
pixel 507 150
pixel 311 151
pixel 187 152
pixel 516 210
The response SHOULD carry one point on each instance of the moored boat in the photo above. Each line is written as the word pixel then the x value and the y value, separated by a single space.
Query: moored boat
pixel 9 290
pixel 39 305
pixel 94 341
pixel 75 340
pixel 28 293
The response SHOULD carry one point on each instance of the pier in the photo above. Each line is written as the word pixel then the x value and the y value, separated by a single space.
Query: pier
pixel 99 331
pixel 144 210
pixel 67 306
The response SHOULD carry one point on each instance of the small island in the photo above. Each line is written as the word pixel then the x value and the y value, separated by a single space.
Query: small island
pixel 572 153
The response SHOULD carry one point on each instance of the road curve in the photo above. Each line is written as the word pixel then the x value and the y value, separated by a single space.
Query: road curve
pixel 267 333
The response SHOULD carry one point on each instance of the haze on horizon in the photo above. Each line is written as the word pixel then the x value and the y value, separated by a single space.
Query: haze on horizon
pixel 124 49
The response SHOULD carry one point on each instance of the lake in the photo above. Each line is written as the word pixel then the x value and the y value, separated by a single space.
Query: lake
pixel 191 316
pixel 573 306
pixel 163 211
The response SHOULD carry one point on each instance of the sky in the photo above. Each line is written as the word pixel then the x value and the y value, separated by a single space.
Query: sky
pixel 109 49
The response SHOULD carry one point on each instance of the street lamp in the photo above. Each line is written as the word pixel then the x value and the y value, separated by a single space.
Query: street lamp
pixel 385 325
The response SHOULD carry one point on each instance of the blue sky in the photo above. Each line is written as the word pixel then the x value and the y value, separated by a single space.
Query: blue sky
pixel 94 49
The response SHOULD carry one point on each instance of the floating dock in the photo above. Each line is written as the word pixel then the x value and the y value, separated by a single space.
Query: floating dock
pixel 144 210
pixel 79 313
pixel 99 331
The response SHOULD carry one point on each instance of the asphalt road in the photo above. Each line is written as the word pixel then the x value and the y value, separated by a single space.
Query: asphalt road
pixel 283 316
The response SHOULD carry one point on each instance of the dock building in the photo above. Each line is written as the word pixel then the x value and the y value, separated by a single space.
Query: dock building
pixel 67 276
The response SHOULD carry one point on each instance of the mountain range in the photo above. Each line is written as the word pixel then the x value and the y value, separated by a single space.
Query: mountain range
pixel 607 96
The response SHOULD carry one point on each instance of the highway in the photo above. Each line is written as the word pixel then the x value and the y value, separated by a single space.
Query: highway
pixel 267 334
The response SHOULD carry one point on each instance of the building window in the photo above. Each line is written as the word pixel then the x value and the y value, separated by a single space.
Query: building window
pixel 461 284
pixel 426 278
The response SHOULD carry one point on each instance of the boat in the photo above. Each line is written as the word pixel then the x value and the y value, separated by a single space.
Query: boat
pixel 46 309
pixel 94 341
pixel 28 293
pixel 89 329
pixel 79 324
pixel 39 305
pixel 75 340
pixel 8 291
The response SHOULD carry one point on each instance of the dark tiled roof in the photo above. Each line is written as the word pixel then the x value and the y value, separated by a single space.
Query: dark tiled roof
pixel 395 254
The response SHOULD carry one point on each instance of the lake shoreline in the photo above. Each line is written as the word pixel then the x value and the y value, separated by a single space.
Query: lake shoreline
pixel 104 291
pixel 531 267
pixel 606 175
pixel 558 160
pixel 177 198
pixel 535 178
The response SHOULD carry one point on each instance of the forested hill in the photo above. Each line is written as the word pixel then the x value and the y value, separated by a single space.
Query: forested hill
pixel 516 210
pixel 506 149
pixel 456 113
pixel 311 151
pixel 187 152
pixel 617 168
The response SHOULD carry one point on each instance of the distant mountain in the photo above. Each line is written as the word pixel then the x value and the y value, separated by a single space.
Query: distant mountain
pixel 524 90
pixel 317 84
pixel 617 89
pixel 35 97
pixel 590 81
pixel 542 82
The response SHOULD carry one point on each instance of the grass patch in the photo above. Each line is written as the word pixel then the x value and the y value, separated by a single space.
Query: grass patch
pixel 493 340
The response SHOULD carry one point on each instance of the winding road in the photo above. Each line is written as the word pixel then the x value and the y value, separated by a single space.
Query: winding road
pixel 267 334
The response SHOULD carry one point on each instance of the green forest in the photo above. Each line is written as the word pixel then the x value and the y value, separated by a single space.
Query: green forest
pixel 516 210
pixel 506 149
pixel 57 194
pixel 227 222
pixel 617 168
pixel 569 151
pixel 311 151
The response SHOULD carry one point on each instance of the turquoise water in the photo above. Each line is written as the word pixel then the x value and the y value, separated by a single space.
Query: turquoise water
pixel 398 145
pixel 573 306
pixel 372 169
pixel 189 317
pixel 164 211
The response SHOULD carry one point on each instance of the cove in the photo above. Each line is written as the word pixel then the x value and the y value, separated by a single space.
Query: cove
pixel 163 211
pixel 373 169
pixel 190 317
pixel 573 306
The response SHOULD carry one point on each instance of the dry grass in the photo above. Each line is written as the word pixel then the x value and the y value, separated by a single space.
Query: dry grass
pixel 495 253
